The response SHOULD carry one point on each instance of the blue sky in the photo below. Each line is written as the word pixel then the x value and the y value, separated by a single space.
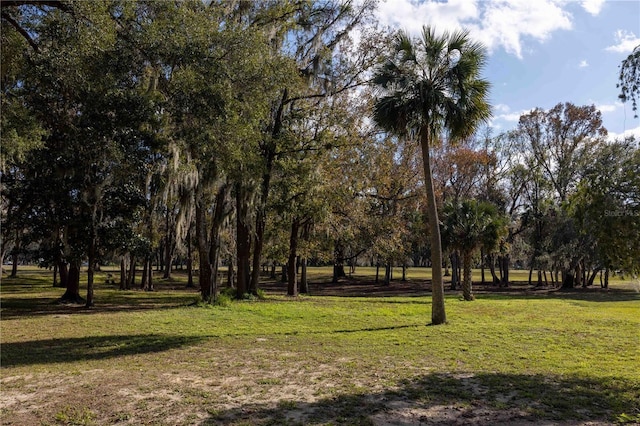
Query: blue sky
pixel 541 52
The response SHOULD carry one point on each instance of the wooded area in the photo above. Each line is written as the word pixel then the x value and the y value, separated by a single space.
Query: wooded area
pixel 258 135
pixel 240 181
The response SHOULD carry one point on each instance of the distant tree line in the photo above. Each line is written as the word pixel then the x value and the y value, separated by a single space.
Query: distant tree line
pixel 264 134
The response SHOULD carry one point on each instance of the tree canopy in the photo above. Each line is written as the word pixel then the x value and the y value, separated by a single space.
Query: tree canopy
pixel 286 133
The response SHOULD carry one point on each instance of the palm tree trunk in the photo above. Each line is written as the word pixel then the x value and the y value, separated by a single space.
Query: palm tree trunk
pixel 438 315
pixel 467 291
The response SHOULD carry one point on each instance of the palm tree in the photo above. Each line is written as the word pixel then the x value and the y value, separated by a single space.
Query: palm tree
pixel 468 226
pixel 431 88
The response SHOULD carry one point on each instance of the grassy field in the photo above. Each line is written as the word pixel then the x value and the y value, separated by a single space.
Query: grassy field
pixel 516 357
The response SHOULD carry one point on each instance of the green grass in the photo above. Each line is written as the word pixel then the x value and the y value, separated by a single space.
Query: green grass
pixel 155 358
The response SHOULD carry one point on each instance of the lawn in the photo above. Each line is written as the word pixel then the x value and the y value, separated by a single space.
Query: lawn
pixel 516 357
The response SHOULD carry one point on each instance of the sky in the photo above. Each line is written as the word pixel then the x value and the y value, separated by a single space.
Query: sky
pixel 541 52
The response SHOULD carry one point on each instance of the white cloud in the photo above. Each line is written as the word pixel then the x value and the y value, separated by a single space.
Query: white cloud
pixel 583 64
pixel 501 108
pixel 505 114
pixel 625 42
pixel 627 133
pixel 411 15
pixel 512 116
pixel 608 107
pixel 506 23
pixel 593 6
pixel 503 24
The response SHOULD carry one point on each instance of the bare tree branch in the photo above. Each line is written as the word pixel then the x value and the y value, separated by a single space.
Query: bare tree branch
pixel 21 30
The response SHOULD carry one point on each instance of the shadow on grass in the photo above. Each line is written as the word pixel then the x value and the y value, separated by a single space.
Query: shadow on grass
pixel 415 288
pixel 486 398
pixel 111 301
pixel 52 351
pixel 590 294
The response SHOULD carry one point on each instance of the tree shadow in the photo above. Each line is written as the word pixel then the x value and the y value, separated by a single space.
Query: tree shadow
pixel 51 351
pixel 415 288
pixel 589 294
pixel 485 398
pixel 129 300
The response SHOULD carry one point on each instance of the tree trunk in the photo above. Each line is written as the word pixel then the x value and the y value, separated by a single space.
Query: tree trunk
pixel 338 263
pixel 90 277
pixel 72 294
pixel 606 278
pixel 504 270
pixel 204 268
pixel 131 282
pixel 492 269
pixel 377 272
pixel 14 256
pixel 145 274
pixel 567 279
pixel 292 288
pixel 243 245
pixel 230 272
pixel 467 290
pixel 190 283
pixel 160 256
pixel 63 272
pixel 304 283
pixel 438 314
pixel 149 274
pixel 219 214
pixel 91 265
pixel 482 278
pixel 269 153
pixel 258 241
pixel 387 274
pixel 455 278
pixel 272 274
pixel 123 273
pixel 404 272
pixel 14 264
pixel 168 249
pixel 578 275
pixel 55 275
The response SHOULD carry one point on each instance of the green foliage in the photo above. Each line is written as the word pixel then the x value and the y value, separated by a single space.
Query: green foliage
pixel 225 297
pixel 629 79
pixel 471 224
pixel 606 206
pixel 433 84
pixel 74 416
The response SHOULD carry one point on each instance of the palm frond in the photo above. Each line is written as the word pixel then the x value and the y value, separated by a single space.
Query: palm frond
pixel 433 81
pixel 404 47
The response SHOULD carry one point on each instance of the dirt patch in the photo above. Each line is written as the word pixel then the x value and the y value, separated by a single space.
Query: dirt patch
pixel 274 395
